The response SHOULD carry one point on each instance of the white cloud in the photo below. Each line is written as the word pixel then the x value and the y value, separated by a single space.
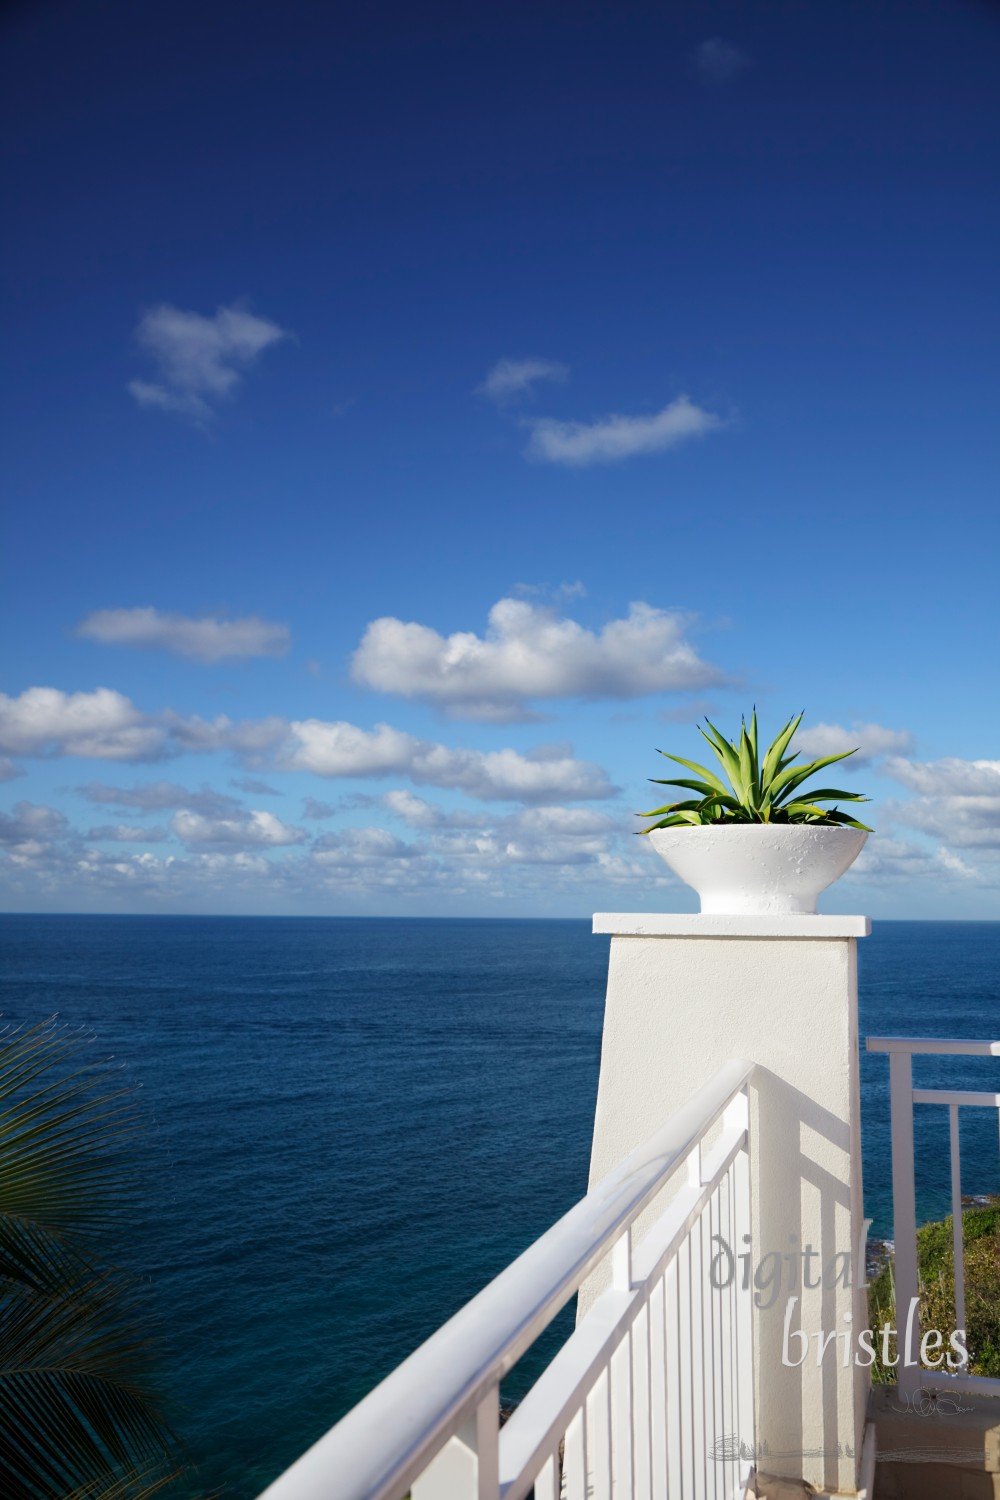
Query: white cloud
pixel 8 770
pixel 528 653
pixel 106 725
pixel 718 61
pixel 261 829
pixel 317 810
pixel 557 836
pixel 955 865
pixel 126 833
pixel 950 777
pixel 888 858
pixel 871 740
pixel 160 796
pixel 207 639
pixel 342 749
pixel 361 846
pixel 254 787
pixel 532 853
pixel 416 813
pixel 199 360
pixel 29 821
pixel 884 857
pixel 615 437
pixel 251 740
pixel 958 801
pixel 510 378
pixel 103 725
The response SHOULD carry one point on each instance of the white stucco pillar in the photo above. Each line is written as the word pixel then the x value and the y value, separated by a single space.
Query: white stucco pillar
pixel 684 994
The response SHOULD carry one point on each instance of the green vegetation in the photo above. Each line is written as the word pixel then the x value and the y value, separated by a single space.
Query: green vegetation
pixel 77 1413
pixel 936 1270
pixel 759 790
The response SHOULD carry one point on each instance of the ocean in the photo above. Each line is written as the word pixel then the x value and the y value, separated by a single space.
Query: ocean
pixel 356 1123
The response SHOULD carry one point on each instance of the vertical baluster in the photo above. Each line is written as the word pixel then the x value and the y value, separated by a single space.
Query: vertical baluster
pixel 598 1424
pixel 708 1326
pixel 904 1217
pixel 622 1442
pixel 621 1261
pixel 575 1459
pixel 640 1404
pixel 675 1381
pixel 957 1221
pixel 620 1379
pixel 468 1466
pixel 722 1296
pixel 686 1382
pixel 697 1359
pixel 658 1391
pixel 734 1352
pixel 547 1484
pixel 746 1407
pixel 708 1344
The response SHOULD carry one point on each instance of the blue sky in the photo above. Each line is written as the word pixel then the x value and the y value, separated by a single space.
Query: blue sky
pixel 528 380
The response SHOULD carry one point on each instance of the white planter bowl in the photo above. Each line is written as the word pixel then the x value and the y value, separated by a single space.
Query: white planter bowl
pixel 758 868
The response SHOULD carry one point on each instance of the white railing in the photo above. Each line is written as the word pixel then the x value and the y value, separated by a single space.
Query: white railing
pixel 910 1374
pixel 650 1395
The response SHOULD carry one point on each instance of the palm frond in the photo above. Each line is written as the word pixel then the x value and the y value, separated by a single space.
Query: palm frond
pixel 78 1412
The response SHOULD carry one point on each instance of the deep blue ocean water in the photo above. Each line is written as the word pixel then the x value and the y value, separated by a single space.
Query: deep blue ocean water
pixel 357 1123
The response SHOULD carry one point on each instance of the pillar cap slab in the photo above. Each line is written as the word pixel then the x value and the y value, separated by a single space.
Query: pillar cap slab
pixel 702 925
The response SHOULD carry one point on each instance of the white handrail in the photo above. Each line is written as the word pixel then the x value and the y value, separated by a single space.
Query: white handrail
pixel 956 1097
pixel 945 1046
pixel 389 1437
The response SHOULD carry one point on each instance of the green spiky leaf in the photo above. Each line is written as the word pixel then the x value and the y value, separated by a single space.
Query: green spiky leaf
pixel 760 790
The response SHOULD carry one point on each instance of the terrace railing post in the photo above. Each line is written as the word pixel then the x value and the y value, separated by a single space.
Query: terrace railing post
pixel 904 1223
pixel 467 1468
pixel 683 993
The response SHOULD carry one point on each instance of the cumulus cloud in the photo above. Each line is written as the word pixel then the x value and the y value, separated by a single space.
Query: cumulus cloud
pixel 29 821
pixel 342 749
pixel 199 361
pixel 956 865
pixel 254 788
pixel 103 725
pixel 950 777
pixel 557 836
pixel 892 858
pixel 208 639
pixel 717 61
pixel 888 858
pixel 511 378
pixel 126 833
pixel 317 811
pixel 242 859
pixel 106 725
pixel 416 813
pixel 615 437
pixel 872 741
pixel 251 740
pixel 246 830
pixel 160 796
pixel 361 846
pixel 529 652
pixel 958 801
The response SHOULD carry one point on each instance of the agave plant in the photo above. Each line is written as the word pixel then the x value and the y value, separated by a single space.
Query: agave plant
pixel 78 1418
pixel 760 789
